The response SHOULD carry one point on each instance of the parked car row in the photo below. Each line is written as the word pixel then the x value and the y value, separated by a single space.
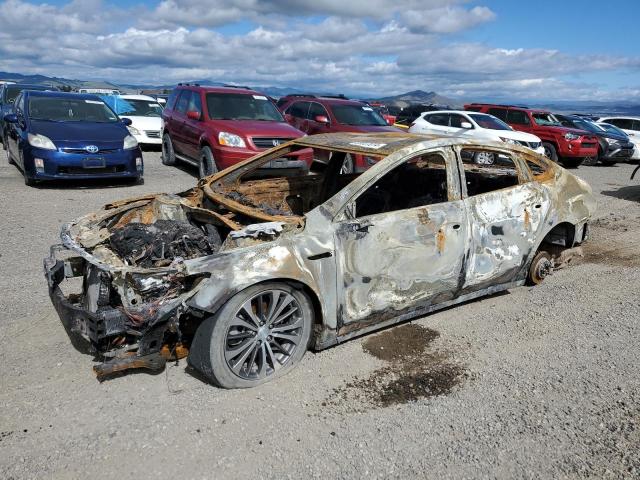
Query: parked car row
pixel 213 128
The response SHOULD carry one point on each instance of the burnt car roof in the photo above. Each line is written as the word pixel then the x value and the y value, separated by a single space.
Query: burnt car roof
pixel 379 144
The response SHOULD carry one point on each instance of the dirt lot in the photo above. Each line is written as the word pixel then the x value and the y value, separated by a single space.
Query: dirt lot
pixel 536 383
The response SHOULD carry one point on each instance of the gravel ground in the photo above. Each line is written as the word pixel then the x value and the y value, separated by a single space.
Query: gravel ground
pixel 535 383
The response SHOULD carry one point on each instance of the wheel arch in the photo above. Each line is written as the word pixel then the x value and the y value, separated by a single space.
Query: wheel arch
pixel 318 308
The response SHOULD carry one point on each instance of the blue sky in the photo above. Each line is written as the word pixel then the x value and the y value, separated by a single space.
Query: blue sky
pixel 474 50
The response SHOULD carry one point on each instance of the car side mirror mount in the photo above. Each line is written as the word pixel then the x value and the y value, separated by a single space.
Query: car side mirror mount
pixel 193 115
pixel 322 119
pixel 466 125
pixel 11 118
pixel 126 121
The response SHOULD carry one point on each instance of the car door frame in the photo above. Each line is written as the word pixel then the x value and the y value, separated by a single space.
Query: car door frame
pixel 176 124
pixel 487 239
pixel 446 239
pixel 314 127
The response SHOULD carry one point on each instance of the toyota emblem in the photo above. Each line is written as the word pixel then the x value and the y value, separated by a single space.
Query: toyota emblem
pixel 91 149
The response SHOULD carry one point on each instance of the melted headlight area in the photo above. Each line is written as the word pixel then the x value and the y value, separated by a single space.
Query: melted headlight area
pixel 126 319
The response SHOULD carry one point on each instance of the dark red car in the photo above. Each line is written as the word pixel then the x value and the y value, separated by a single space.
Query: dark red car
pixel 313 114
pixel 216 127
pixel 568 146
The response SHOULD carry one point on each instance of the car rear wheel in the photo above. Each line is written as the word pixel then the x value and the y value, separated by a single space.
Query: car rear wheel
pixel 609 163
pixel 168 154
pixel 572 162
pixel 540 268
pixel 257 336
pixel 207 165
pixel 550 151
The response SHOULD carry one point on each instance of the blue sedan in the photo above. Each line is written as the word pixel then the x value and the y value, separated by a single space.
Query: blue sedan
pixel 55 135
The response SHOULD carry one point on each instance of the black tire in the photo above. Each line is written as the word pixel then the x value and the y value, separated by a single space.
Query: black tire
pixel 213 351
pixel 136 181
pixel 608 163
pixel 572 162
pixel 168 153
pixel 550 151
pixel 5 146
pixel 29 182
pixel 207 165
pixel 541 266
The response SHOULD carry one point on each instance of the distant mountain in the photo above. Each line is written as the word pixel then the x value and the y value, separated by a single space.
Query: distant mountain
pixel 55 81
pixel 420 97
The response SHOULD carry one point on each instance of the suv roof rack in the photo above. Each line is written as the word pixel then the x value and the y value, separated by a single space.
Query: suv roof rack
pixel 228 85
pixel 187 84
pixel 308 95
pixel 339 95
pixel 500 105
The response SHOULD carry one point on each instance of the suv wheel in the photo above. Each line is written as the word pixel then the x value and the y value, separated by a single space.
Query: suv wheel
pixel 550 151
pixel 207 165
pixel 258 335
pixel 168 154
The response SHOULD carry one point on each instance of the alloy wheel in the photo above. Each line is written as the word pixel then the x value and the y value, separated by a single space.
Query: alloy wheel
pixel 263 335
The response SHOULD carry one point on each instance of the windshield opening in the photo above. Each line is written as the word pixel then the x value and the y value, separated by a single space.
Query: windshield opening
pixel 241 106
pixel 70 110
pixel 489 122
pixel 546 119
pixel 357 115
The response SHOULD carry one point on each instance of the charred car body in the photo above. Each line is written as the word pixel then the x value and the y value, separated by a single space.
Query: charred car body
pixel 244 275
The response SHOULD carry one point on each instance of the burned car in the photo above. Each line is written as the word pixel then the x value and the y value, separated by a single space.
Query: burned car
pixel 244 274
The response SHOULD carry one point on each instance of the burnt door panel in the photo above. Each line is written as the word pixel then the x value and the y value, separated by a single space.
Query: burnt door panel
pixel 394 263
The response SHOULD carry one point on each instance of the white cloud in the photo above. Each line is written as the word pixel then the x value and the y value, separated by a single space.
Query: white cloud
pixel 359 46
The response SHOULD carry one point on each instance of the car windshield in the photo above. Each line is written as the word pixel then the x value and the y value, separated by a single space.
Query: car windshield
pixel 611 129
pixel 488 121
pixel 13 91
pixel 584 125
pixel 138 108
pixel 70 110
pixel 357 115
pixel 242 106
pixel 545 119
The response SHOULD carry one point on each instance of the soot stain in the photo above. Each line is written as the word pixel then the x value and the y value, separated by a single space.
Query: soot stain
pixel 414 370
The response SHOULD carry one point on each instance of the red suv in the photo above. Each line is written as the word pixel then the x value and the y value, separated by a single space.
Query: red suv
pixel 313 115
pixel 216 127
pixel 567 145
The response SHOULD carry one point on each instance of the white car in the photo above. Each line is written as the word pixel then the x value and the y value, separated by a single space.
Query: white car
pixel 145 115
pixel 630 126
pixel 459 123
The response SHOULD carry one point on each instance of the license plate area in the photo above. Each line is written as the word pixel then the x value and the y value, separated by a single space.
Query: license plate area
pixel 94 162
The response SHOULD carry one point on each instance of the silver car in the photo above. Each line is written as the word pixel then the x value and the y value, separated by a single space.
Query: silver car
pixel 244 273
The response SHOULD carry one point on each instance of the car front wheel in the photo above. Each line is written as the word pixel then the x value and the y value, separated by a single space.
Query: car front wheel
pixel 550 151
pixel 257 336
pixel 207 165
pixel 168 154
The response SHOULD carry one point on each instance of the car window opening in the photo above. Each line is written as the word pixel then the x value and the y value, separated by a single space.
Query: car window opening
pixel 486 171
pixel 418 182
